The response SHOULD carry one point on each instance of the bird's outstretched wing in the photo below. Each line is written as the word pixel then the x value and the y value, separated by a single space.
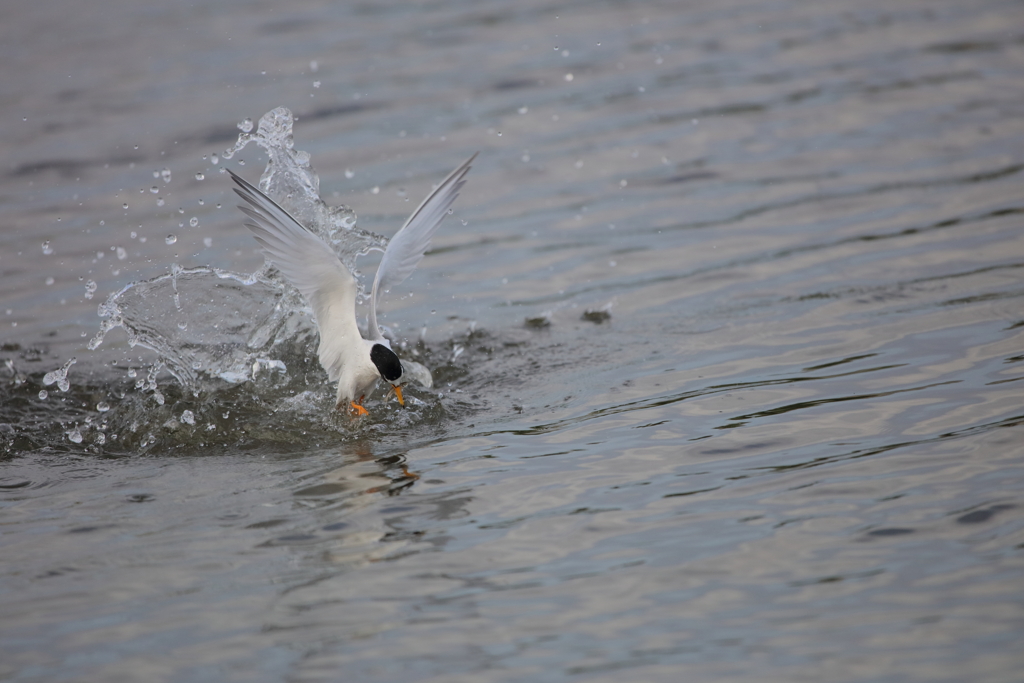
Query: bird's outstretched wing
pixel 406 248
pixel 311 265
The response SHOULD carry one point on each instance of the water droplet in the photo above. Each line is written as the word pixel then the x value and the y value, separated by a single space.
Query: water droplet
pixel 160 201
pixel 193 221
pixel 49 280
pixel 101 438
pixel 154 189
pixel 313 66
pixel 103 406
pixel 47 249
pixel 131 372
pixel 568 77
pixel 75 436
pixel 623 182
pixel 121 254
pixel 207 241
pixel 171 239
pixel 183 325
pixel 90 289
pixel 166 175
pixel 375 190
pixel 200 176
pixel 451 211
pixel 43 393
pixel 349 173
pixel 246 125
pixel 214 159
pixel 188 417
pixel 125 205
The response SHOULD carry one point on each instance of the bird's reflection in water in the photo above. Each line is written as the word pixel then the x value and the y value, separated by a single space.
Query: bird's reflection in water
pixel 363 472
pixel 395 464
pixel 352 521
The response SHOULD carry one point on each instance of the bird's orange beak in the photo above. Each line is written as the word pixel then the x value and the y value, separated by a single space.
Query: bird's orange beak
pixel 398 394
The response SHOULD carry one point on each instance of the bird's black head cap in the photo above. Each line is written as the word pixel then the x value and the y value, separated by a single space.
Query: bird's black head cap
pixel 388 365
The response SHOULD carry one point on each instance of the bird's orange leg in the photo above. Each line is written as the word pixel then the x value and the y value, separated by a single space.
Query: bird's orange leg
pixel 357 409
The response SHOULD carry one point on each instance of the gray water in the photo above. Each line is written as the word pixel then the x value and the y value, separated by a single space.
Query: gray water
pixel 726 335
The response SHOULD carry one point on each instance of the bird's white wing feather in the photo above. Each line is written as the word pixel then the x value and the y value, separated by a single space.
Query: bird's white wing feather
pixel 406 248
pixel 311 265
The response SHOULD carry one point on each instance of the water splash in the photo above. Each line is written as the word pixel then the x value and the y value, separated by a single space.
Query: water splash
pixel 289 179
pixel 213 323
pixel 246 342
pixel 60 376
pixel 204 321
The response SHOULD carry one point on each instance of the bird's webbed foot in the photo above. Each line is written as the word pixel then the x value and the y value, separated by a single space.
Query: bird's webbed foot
pixel 354 408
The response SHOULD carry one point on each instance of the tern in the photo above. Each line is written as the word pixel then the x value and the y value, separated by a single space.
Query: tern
pixel 329 287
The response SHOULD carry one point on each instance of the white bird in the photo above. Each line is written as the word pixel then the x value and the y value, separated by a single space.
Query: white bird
pixel 330 288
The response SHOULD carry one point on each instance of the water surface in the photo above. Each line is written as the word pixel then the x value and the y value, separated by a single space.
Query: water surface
pixel 726 334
